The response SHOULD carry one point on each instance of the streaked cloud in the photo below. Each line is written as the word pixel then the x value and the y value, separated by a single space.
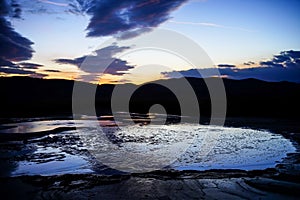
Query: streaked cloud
pixel 24 68
pixel 54 3
pixel 52 70
pixel 28 65
pixel 226 66
pixel 208 24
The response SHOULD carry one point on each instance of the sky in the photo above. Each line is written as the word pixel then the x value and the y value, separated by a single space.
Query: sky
pixel 243 39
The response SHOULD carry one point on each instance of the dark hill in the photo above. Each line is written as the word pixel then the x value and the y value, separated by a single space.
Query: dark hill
pixel 23 96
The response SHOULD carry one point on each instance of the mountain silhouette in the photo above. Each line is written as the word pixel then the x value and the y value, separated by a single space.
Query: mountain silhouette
pixel 28 97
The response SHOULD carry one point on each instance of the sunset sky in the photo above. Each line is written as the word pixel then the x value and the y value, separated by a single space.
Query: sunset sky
pixel 244 39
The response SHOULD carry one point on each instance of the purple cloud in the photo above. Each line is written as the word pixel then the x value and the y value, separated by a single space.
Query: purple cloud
pixel 101 63
pixel 283 67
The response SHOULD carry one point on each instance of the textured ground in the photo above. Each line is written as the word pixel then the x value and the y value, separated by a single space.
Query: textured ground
pixel 184 186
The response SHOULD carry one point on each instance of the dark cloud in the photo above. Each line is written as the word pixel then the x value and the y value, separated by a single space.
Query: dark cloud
pixel 118 67
pixel 10 8
pixel 15 9
pixel 291 54
pixel 279 59
pixel 14 69
pixel 107 17
pixel 7 67
pixel 286 59
pixel 110 51
pixel 30 65
pixel 283 67
pixel 270 63
pixel 51 70
pixel 10 70
pixel 102 62
pixel 4 8
pixel 132 33
pixel 75 61
pixel 17 71
pixel 7 63
pixel 226 66
pixel 13 46
pixel 113 17
pixel 249 63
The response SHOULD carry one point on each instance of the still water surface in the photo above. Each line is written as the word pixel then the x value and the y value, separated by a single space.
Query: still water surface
pixel 133 148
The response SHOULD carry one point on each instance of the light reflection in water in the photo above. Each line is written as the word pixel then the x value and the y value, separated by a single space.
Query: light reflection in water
pixel 66 152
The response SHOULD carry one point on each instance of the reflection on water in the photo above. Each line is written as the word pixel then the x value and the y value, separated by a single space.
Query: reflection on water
pixel 86 151
pixel 236 148
pixel 50 161
pixel 35 126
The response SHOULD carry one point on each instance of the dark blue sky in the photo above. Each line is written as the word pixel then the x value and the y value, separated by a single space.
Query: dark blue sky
pixel 47 38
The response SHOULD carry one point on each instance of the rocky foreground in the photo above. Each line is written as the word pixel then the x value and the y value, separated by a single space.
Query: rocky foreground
pixel 213 184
